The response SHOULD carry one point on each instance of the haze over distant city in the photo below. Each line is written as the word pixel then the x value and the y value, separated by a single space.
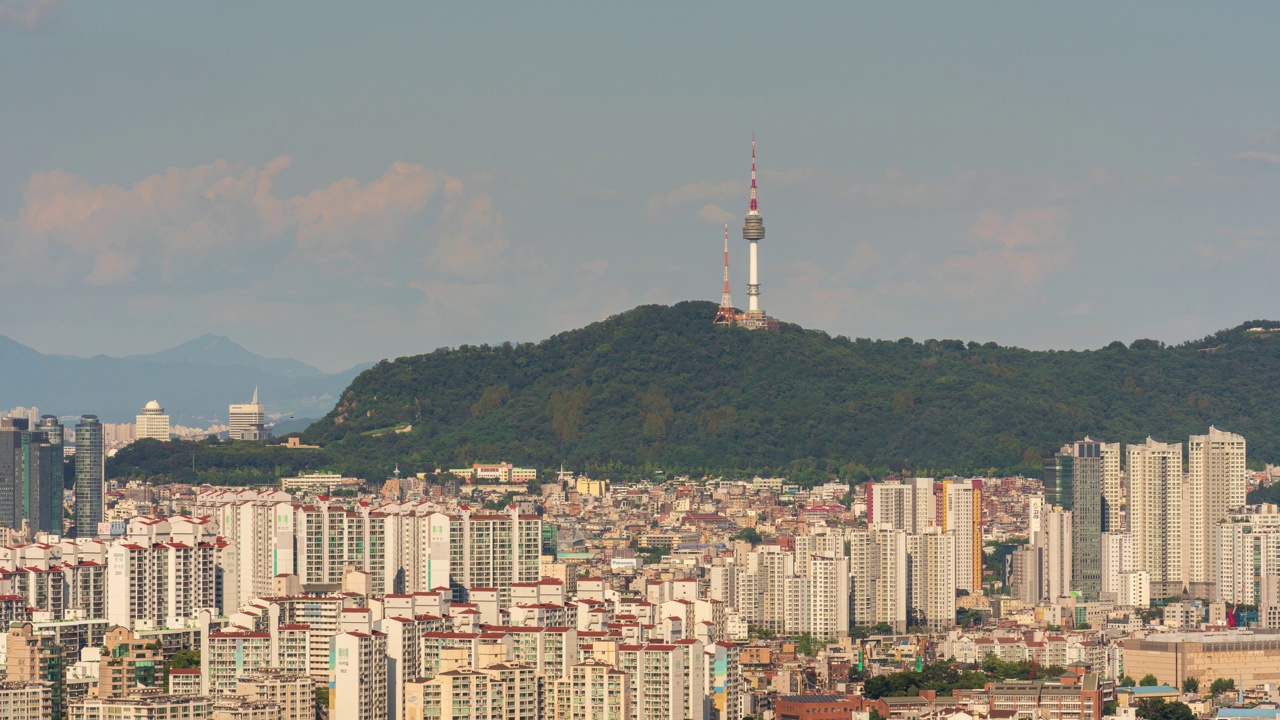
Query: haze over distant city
pixel 339 183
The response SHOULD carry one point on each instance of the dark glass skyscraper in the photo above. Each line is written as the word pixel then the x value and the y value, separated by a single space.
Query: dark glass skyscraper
pixel 1059 489
pixel 1073 480
pixel 30 478
pixel 90 476
pixel 47 515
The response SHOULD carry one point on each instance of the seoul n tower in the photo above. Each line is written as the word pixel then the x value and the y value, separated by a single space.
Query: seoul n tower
pixel 753 232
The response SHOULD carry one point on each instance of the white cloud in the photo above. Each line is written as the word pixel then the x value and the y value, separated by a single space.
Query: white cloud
pixel 1260 157
pixel 26 14
pixel 694 193
pixel 714 214
pixel 185 225
pixel 1234 245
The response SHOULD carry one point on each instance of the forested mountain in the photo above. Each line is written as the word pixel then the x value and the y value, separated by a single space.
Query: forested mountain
pixel 662 388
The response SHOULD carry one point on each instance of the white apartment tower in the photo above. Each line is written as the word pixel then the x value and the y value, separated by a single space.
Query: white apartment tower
pixel 891 596
pixel 656 674
pixel 1113 499
pixel 161 574
pixel 1216 478
pixel 1156 510
pixel 907 505
pixel 1057 555
pixel 931 558
pixel 592 690
pixel 961 513
pixel 817 596
pixel 358 671
pixel 1117 558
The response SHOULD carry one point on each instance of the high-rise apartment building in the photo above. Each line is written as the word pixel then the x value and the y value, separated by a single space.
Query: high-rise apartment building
pixel 1216 478
pixel 261 526
pixel 818 595
pixel 90 463
pixel 36 657
pixel 26 700
pixel 495 550
pixel 1117 558
pixel 591 690
pixel 1057 554
pixel 1156 513
pixel 657 677
pixel 931 560
pixel 772 566
pixel 908 505
pixel 724 680
pixel 152 423
pixel 292 693
pixel 960 510
pixel 1113 497
pixel 1026 573
pixel 879 581
pixel 358 671
pixel 162 573
pixel 1247 551
pixel 143 705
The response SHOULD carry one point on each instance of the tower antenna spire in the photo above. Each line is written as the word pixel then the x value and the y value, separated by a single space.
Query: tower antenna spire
pixel 755 206
pixel 726 315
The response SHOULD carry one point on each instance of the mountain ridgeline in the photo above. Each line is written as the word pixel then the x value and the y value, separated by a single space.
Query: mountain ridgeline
pixel 660 387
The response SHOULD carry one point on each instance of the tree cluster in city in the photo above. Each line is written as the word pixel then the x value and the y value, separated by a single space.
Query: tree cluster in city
pixel 944 677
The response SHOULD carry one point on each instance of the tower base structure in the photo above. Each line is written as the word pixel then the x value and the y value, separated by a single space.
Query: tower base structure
pixel 726 315
pixel 750 320
pixel 758 321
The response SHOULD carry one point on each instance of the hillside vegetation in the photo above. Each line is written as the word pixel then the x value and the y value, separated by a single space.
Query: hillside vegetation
pixel 660 387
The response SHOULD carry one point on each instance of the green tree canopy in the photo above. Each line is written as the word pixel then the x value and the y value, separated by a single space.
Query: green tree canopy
pixel 1157 709
pixel 185 659
pixel 1222 685
pixel 661 387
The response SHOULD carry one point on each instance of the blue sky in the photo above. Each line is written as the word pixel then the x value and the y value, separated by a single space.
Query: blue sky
pixel 339 183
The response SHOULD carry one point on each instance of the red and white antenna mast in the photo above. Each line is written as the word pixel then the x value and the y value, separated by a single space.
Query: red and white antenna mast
pixel 726 314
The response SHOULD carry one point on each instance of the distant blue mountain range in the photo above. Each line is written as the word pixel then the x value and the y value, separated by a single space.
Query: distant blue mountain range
pixel 195 382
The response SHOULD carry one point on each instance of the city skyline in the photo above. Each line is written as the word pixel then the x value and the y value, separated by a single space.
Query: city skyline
pixel 920 169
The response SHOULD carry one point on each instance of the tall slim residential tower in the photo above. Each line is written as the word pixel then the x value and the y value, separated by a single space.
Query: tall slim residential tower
pixel 726 315
pixel 960 510
pixel 1156 511
pixel 1216 476
pixel 1057 556
pixel 1113 500
pixel 931 574
pixel 90 476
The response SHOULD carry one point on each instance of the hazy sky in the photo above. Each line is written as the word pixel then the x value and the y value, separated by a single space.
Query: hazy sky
pixel 340 182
